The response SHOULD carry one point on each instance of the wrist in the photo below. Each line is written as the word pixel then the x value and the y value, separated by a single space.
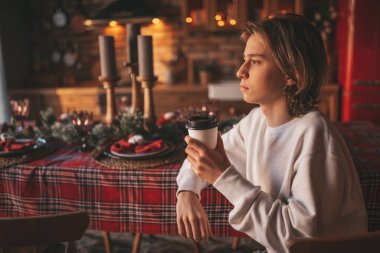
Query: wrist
pixel 221 170
pixel 186 194
pixel 220 173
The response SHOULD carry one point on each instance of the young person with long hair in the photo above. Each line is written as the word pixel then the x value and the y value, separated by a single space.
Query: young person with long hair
pixel 284 167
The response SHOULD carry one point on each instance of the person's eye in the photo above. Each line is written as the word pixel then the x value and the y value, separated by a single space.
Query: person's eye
pixel 253 62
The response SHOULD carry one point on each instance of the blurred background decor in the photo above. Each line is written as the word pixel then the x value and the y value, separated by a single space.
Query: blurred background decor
pixel 54 63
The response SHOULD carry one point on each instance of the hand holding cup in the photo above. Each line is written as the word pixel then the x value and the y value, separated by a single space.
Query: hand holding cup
pixel 205 148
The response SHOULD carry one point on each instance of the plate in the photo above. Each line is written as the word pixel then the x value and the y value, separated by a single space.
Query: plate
pixel 39 143
pixel 134 155
pixel 168 148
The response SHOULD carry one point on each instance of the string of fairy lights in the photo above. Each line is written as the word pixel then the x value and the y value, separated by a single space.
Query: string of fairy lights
pixel 218 19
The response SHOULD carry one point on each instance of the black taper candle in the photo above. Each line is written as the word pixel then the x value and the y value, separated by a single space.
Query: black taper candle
pixel 145 57
pixel 107 57
pixel 133 30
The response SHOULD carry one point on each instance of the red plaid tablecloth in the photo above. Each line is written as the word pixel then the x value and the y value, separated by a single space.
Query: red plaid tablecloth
pixel 116 200
pixel 144 200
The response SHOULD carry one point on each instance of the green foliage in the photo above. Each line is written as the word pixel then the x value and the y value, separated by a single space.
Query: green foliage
pixel 17 131
pixel 128 123
pixel 174 132
pixel 100 134
pixel 50 127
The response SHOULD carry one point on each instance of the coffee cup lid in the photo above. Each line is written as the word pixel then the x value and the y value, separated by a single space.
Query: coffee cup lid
pixel 202 122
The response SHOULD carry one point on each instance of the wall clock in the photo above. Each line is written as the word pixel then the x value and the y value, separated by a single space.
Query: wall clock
pixel 59 18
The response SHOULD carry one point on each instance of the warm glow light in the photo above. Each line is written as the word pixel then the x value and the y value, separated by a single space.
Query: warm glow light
pixel 232 22
pixel 156 21
pixel 221 23
pixel 114 30
pixel 112 23
pixel 218 17
pixel 188 20
pixel 284 11
pixel 88 22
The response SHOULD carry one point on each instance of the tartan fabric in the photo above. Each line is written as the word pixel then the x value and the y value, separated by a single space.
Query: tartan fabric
pixel 143 201
pixel 363 141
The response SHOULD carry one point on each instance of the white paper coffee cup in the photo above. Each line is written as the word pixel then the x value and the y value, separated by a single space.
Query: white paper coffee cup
pixel 204 128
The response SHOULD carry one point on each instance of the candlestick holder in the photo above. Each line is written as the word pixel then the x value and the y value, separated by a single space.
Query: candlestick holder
pixel 83 123
pixel 109 86
pixel 136 103
pixel 149 113
pixel 20 111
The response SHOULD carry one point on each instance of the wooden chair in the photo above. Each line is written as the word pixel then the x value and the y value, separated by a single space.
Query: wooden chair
pixel 43 230
pixel 365 242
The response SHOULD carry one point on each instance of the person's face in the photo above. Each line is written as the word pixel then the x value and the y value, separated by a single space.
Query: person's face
pixel 262 81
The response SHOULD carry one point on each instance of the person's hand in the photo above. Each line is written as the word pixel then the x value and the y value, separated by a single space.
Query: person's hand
pixel 192 220
pixel 207 163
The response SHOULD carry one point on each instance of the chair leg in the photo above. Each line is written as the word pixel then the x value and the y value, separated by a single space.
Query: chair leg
pixel 107 242
pixel 235 243
pixel 136 243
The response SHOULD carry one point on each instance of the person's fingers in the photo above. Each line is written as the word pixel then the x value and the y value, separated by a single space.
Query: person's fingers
pixel 199 161
pixel 198 146
pixel 203 228
pixel 194 165
pixel 181 228
pixel 210 234
pixel 192 161
pixel 190 151
pixel 195 228
pixel 189 233
pixel 197 167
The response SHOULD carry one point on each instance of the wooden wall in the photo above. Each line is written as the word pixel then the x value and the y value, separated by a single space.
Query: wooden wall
pixel 174 49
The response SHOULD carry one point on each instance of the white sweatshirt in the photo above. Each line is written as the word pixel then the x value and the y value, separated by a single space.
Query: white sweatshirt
pixel 294 180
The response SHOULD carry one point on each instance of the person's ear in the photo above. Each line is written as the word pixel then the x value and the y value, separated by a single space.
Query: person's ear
pixel 289 81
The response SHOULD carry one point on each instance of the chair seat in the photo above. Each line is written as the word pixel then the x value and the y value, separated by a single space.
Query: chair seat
pixel 43 230
pixel 364 242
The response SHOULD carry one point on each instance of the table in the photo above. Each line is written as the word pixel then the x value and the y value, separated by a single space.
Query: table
pixel 143 201
pixel 140 201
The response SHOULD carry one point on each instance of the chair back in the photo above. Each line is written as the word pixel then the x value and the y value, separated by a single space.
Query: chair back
pixel 39 230
pixel 365 242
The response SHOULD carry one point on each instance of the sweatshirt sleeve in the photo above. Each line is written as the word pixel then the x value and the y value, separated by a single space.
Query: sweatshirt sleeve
pixel 315 202
pixel 188 181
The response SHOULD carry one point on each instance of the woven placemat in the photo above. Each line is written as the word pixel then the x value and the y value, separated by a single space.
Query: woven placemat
pixel 39 153
pixel 124 164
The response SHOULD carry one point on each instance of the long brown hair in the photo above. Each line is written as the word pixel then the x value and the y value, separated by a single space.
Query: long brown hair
pixel 299 52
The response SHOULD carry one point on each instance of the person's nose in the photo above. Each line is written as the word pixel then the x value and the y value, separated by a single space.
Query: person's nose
pixel 242 72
